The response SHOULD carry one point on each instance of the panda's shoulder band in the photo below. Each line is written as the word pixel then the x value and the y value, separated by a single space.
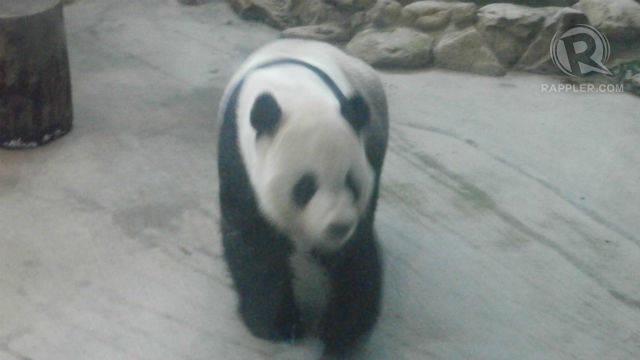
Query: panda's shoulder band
pixel 316 70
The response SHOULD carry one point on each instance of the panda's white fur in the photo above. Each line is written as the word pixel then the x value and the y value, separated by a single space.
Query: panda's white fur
pixel 311 288
pixel 312 136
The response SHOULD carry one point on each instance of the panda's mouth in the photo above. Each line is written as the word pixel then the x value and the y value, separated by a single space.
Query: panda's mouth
pixel 329 249
pixel 331 245
pixel 322 255
pixel 339 231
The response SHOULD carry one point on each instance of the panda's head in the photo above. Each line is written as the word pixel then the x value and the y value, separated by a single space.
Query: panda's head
pixel 307 163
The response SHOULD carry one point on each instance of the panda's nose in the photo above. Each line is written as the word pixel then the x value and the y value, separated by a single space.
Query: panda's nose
pixel 339 230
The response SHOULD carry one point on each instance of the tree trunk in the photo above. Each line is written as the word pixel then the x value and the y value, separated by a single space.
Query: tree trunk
pixel 35 85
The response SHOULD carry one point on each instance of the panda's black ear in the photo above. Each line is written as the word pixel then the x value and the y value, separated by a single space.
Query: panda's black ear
pixel 356 111
pixel 265 114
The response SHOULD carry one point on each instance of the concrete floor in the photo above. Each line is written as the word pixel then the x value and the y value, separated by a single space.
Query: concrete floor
pixel 509 217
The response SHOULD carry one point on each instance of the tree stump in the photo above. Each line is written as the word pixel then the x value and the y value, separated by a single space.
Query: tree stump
pixel 35 84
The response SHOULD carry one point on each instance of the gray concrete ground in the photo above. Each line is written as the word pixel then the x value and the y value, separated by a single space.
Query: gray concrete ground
pixel 509 217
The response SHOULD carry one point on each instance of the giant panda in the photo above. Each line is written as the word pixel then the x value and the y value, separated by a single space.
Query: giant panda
pixel 302 142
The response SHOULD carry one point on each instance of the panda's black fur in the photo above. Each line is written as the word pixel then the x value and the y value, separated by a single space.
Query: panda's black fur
pixel 258 255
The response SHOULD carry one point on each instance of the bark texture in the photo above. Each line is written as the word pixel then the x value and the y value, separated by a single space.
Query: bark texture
pixel 35 86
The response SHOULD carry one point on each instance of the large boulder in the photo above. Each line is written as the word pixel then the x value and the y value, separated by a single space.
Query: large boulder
pixel 617 19
pixel 313 12
pixel 353 5
pixel 433 22
pixel 633 84
pixel 532 3
pixel 466 50
pixel 537 58
pixel 384 13
pixel 322 32
pixel 509 29
pixel 283 14
pixel 276 13
pixel 399 47
pixel 434 15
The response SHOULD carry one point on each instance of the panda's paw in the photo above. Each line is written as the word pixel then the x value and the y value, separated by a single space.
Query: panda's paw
pixel 284 327
pixel 309 349
pixel 291 330
pixel 289 325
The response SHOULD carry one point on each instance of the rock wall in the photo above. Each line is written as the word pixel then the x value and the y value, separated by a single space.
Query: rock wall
pixel 394 33
pixel 477 36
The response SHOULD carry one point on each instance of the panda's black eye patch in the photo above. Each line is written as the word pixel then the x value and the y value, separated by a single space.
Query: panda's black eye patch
pixel 304 189
pixel 352 185
pixel 356 111
pixel 265 114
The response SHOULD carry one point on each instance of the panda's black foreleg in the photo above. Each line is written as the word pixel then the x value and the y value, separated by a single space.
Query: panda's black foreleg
pixel 268 309
pixel 263 282
pixel 353 311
